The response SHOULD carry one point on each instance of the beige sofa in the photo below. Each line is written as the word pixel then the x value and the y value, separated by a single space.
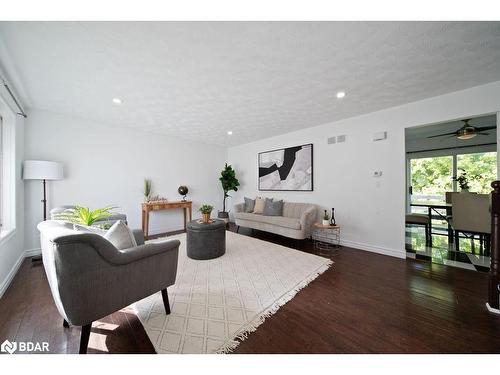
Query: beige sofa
pixel 296 221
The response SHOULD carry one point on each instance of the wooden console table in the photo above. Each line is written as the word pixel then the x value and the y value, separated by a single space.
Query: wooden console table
pixel 147 207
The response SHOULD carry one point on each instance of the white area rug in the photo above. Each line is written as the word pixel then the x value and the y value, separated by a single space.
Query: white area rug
pixel 216 303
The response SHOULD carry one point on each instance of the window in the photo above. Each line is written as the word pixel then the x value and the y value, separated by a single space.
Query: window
pixel 480 168
pixel 431 177
pixel 1 175
pixel 7 171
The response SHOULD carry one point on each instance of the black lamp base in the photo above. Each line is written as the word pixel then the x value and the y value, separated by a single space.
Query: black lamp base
pixel 38 258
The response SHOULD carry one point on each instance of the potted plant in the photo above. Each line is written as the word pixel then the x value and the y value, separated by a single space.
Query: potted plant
pixel 229 183
pixel 463 182
pixel 326 218
pixel 85 216
pixel 205 210
pixel 147 190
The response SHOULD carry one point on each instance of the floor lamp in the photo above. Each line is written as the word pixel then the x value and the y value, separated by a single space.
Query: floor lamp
pixel 44 171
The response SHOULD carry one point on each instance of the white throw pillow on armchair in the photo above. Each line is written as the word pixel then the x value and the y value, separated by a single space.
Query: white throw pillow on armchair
pixel 120 236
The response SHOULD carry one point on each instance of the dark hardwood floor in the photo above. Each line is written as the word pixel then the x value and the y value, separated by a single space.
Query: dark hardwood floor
pixel 366 303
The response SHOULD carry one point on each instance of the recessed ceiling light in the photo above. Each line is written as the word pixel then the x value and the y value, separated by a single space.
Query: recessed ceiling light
pixel 229 132
pixel 340 94
pixel 117 101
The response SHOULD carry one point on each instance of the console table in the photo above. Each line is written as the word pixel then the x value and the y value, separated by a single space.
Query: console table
pixel 147 207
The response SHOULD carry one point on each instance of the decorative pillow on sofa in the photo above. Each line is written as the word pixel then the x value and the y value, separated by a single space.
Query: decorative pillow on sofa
pixel 273 208
pixel 120 236
pixel 259 206
pixel 249 204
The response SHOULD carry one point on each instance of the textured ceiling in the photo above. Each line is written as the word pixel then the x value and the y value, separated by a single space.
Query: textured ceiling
pixel 197 80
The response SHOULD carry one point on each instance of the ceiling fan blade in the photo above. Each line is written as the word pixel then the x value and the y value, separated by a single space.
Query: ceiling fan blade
pixel 479 129
pixel 478 133
pixel 442 135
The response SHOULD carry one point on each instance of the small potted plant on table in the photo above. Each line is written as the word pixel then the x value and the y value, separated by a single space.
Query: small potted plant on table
pixel 326 218
pixel 205 210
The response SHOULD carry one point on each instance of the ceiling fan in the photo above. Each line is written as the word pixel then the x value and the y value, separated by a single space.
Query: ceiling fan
pixel 466 131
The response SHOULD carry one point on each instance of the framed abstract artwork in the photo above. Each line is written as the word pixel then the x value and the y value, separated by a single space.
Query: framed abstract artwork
pixel 287 169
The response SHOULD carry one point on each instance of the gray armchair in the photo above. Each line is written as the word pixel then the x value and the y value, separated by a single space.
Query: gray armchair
pixel 89 278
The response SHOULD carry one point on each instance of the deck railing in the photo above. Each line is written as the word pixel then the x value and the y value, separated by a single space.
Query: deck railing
pixel 494 284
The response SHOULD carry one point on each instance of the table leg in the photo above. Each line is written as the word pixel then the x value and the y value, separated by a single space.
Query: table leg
pixel 146 224
pixel 143 219
pixel 185 214
pixel 190 212
pixel 430 226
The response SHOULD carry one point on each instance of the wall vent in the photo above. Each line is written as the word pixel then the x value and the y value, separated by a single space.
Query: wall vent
pixel 341 138
pixel 332 140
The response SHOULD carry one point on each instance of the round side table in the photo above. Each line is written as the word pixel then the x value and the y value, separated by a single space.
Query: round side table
pixel 326 237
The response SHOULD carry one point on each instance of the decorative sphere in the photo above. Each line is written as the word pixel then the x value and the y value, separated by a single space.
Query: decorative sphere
pixel 183 190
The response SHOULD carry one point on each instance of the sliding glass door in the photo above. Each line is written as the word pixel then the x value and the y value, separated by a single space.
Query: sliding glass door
pixel 430 178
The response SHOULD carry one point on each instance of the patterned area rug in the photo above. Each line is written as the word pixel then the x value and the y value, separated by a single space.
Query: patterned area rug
pixel 216 303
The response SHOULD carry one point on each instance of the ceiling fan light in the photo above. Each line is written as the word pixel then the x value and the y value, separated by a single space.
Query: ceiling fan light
pixel 466 136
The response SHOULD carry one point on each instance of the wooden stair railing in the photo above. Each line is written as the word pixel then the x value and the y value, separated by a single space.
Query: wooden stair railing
pixel 494 283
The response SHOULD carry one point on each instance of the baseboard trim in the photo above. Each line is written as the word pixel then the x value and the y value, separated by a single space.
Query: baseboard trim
pixel 374 249
pixel 10 276
pixel 32 252
pixel 8 279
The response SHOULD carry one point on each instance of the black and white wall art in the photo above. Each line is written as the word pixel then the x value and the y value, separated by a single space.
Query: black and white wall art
pixel 287 169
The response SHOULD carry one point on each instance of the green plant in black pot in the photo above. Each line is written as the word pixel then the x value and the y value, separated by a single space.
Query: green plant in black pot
pixel 229 183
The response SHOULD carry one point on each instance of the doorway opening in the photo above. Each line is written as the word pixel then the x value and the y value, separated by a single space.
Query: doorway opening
pixel 449 170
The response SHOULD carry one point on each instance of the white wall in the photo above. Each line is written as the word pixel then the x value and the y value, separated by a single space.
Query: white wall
pixel 12 248
pixel 105 165
pixel 370 210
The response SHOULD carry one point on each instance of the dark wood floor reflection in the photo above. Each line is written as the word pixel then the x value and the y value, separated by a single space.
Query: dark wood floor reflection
pixel 366 303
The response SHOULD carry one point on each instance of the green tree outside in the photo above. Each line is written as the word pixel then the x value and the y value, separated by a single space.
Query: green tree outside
pixel 433 176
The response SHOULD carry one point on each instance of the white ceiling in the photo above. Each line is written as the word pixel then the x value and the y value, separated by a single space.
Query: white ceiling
pixel 197 80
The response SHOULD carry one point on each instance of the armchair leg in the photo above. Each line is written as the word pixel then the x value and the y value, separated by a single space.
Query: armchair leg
pixel 65 323
pixel 237 228
pixel 84 339
pixel 164 295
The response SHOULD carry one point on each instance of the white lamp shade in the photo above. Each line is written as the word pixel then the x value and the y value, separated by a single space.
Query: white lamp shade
pixel 42 170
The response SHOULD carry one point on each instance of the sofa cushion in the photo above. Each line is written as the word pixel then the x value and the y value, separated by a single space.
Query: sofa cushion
pixel 120 236
pixel 249 204
pixel 259 205
pixel 273 208
pixel 286 222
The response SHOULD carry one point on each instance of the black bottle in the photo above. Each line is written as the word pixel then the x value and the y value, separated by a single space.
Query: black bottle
pixel 332 218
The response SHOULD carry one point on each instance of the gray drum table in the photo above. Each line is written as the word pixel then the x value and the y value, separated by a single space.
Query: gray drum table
pixel 206 241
